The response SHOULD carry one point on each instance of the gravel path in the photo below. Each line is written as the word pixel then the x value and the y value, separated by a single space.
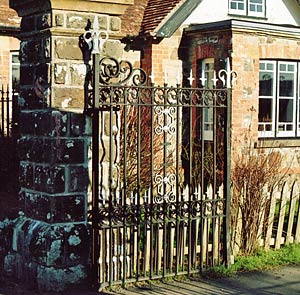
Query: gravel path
pixel 283 281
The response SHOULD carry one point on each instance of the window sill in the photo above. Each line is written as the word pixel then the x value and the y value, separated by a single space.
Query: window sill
pixel 277 143
pixel 244 16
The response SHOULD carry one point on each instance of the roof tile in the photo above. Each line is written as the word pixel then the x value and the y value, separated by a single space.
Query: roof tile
pixel 133 17
pixel 144 16
pixel 156 12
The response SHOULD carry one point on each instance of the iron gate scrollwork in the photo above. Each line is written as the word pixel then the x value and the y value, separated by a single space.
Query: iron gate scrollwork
pixel 160 187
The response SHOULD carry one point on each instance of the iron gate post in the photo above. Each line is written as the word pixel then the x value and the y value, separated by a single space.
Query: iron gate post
pixel 95 171
pixel 94 38
pixel 227 182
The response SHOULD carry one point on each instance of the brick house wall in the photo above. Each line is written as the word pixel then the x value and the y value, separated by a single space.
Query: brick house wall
pixel 9 22
pixel 8 44
pixel 161 59
pixel 246 48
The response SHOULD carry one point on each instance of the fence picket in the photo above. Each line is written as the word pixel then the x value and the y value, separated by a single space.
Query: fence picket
pixel 148 238
pixel 291 215
pixel 297 231
pixel 218 222
pixel 262 216
pixel 196 226
pixel 275 194
pixel 279 238
pixel 209 219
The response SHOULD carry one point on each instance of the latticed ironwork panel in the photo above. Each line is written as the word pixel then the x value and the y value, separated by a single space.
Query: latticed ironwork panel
pixel 160 177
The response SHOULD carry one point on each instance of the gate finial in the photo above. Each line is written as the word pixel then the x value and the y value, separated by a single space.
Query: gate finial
pixel 227 76
pixel 95 38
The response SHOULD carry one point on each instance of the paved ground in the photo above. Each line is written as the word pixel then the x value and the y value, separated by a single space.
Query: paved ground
pixel 284 281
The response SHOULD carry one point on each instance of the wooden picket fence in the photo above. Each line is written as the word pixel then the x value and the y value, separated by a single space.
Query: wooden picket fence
pixel 154 239
pixel 280 222
pixel 284 216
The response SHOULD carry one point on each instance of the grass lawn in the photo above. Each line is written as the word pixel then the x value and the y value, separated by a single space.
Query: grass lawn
pixel 262 260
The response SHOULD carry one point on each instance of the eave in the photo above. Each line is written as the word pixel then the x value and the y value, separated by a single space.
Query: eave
pixel 10 31
pixel 175 18
pixel 241 25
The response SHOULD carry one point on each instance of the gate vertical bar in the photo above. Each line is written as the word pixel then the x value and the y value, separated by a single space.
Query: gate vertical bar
pixel 178 163
pixel 138 192
pixel 152 254
pixel 15 114
pixel 111 202
pixel 214 184
pixel 191 178
pixel 202 220
pixel 7 112
pixel 2 112
pixel 165 172
pixel 95 173
pixel 227 190
pixel 124 191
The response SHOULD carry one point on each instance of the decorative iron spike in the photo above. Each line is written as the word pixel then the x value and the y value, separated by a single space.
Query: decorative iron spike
pixel 191 78
pixel 95 38
pixel 227 76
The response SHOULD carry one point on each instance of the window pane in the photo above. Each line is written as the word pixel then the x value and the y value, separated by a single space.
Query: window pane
pixel 15 71
pixel 256 6
pixel 266 84
pixel 282 67
pixel 15 58
pixel 241 6
pixel 237 4
pixel 286 85
pixel 265 110
pixel 286 110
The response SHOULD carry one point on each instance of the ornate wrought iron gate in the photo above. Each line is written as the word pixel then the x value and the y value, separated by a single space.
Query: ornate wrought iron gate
pixel 160 178
pixel 9 113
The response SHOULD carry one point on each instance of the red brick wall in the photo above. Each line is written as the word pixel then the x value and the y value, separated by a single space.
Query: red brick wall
pixel 245 60
pixel 245 49
pixel 162 59
pixel 215 45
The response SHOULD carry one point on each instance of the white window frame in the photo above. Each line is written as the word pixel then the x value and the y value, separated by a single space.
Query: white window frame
pixel 285 128
pixel 298 101
pixel 263 125
pixel 237 10
pixel 284 125
pixel 11 64
pixel 247 8
pixel 208 112
pixel 257 5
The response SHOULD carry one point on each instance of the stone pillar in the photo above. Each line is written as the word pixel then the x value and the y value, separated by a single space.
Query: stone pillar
pixel 50 247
